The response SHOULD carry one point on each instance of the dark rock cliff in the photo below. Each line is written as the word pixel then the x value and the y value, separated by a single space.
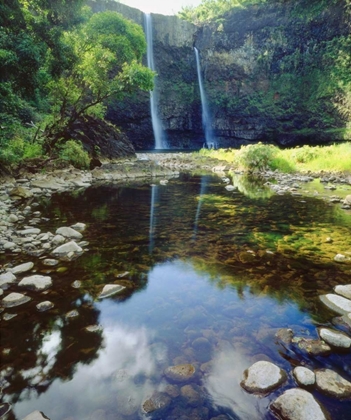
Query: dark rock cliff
pixel 277 72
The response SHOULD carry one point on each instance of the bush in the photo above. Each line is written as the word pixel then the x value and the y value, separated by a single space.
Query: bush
pixel 73 152
pixel 304 154
pixel 256 156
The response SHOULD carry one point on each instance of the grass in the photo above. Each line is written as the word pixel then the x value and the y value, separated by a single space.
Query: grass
pixel 334 158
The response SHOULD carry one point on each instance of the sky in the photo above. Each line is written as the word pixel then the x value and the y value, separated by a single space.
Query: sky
pixel 164 7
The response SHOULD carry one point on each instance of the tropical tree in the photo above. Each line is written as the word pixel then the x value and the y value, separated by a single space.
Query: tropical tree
pixel 106 63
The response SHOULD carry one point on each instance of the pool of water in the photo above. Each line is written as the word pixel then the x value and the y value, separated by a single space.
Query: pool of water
pixel 210 277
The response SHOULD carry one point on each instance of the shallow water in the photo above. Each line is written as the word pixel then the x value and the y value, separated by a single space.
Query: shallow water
pixel 201 288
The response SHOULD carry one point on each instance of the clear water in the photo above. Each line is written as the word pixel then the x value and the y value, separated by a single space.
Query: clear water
pixel 201 289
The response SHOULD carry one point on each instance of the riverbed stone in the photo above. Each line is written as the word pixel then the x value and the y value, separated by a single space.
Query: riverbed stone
pixel 80 227
pixel 158 402
pixel 344 291
pixel 44 306
pixel 331 383
pixel 313 347
pixel 68 232
pixel 336 303
pixel 20 192
pixel 110 290
pixel 335 338
pixel 50 262
pixel 7 278
pixel 36 282
pixel 66 250
pixel 180 373
pixel 22 268
pixel 341 258
pixel 36 415
pixel 304 376
pixel 202 349
pixel 192 395
pixel 15 299
pixel 29 231
pixel 263 377
pixel 298 404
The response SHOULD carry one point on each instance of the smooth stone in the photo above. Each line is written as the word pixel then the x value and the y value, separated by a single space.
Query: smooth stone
pixel 192 396
pixel 36 282
pixel 180 373
pixel 15 299
pixel 20 192
pixel 336 303
pixel 7 317
pixel 332 384
pixel 298 404
pixel 13 218
pixel 110 290
pixel 347 319
pixel 22 268
pixel 58 240
pixel 44 306
pixel 72 314
pixel 158 402
pixel 50 262
pixel 304 376
pixel 36 415
pixel 262 377
pixel 1 292
pixel 9 245
pixel 68 232
pixel 344 291
pixel 80 227
pixel 335 338
pixel 7 278
pixel 285 335
pixel 76 284
pixel 67 248
pixel 93 328
pixel 202 348
pixel 230 187
pixel 311 346
pixel 341 258
pixel 29 231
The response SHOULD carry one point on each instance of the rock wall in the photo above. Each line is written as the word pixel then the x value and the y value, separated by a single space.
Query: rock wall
pixel 272 73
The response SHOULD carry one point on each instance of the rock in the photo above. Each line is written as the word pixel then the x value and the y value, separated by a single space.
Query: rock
pixel 298 404
pixel 180 373
pixel 344 291
pixel 285 335
pixel 44 306
pixel 68 250
pixel 335 338
pixel 80 227
pixel 36 415
pixel 50 262
pixel 20 192
pixel 332 384
pixel 193 397
pixel 76 284
pixel 5 408
pixel 22 268
pixel 72 314
pixel 230 187
pixel 9 245
pixel 110 290
pixel 68 232
pixel 7 317
pixel 7 278
pixel 311 346
pixel 159 401
pixel 93 328
pixel 336 303
pixel 341 258
pixel 304 376
pixel 29 231
pixel 58 240
pixel 202 348
pixel 262 377
pixel 36 282
pixel 13 218
pixel 347 199
pixel 15 299
pixel 347 319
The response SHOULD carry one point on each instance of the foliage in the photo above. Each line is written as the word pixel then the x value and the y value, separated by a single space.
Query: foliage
pixel 73 152
pixel 255 156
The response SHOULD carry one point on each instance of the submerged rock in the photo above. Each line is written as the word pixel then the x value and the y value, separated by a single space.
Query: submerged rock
pixel 159 401
pixel 298 404
pixel 180 373
pixel 332 384
pixel 313 347
pixel 344 291
pixel 263 377
pixel 304 376
pixel 36 282
pixel 335 338
pixel 110 290
pixel 336 303
pixel 44 306
pixel 15 299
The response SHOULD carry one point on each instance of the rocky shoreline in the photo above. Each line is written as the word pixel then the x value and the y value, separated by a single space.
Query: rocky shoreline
pixel 19 234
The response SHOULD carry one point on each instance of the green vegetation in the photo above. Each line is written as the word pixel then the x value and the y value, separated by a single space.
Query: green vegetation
pixel 59 63
pixel 257 157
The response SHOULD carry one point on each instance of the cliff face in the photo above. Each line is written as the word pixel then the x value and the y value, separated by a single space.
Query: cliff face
pixel 276 73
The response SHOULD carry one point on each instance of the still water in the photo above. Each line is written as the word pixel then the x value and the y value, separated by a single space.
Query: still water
pixel 210 277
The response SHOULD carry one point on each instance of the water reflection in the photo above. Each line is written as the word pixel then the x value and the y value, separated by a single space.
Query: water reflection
pixel 216 302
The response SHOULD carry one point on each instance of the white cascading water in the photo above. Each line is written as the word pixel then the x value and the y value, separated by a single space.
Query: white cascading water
pixel 160 142
pixel 206 119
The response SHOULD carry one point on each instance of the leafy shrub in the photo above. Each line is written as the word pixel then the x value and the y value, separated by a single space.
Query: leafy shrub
pixel 256 156
pixel 73 152
pixel 304 154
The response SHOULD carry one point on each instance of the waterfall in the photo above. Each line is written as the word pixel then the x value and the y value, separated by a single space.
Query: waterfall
pixel 160 142
pixel 206 119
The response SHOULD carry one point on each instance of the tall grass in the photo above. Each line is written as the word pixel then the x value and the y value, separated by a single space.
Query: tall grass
pixel 335 158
